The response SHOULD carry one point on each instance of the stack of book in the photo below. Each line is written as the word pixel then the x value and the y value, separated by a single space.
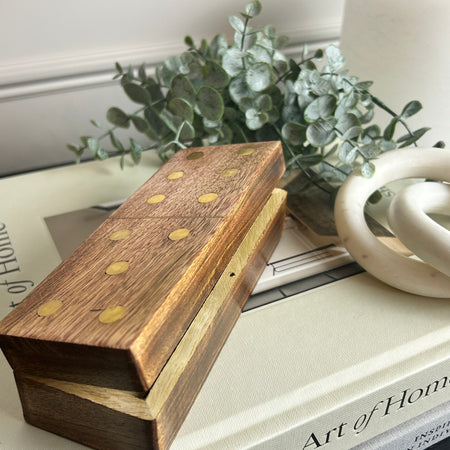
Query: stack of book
pixel 324 357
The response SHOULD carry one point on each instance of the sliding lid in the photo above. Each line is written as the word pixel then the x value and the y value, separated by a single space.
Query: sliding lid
pixel 113 312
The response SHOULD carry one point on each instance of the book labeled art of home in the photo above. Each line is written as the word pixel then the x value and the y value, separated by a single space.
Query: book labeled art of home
pixel 330 367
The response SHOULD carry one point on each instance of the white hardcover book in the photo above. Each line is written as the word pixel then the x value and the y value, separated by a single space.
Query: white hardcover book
pixel 328 361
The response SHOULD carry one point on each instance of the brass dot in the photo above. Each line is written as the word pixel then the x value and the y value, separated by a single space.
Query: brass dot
pixel 49 308
pixel 206 198
pixel 246 151
pixel 119 235
pixel 181 233
pixel 228 173
pixel 195 155
pixel 117 267
pixel 158 198
pixel 175 175
pixel 111 314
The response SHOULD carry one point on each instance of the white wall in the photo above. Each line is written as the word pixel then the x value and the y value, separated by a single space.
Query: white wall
pixel 57 59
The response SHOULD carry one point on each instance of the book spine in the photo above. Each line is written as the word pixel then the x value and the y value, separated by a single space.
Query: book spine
pixel 419 433
pixel 369 415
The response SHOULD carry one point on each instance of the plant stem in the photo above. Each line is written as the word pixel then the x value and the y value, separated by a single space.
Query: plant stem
pixel 381 105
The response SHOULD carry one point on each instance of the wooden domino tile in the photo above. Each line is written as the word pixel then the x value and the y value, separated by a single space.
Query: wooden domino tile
pixel 112 419
pixel 114 311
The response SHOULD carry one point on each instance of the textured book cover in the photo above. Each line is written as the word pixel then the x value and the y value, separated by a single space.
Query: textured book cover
pixel 328 362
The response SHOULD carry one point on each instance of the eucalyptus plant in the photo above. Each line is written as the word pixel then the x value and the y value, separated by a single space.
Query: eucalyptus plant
pixel 219 93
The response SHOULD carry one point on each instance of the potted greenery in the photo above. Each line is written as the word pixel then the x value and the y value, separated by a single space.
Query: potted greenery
pixel 219 93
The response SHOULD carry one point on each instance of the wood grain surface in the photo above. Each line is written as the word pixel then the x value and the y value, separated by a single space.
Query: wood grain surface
pixel 113 312
pixel 107 418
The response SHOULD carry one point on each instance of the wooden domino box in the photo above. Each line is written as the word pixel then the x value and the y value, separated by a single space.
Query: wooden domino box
pixel 119 338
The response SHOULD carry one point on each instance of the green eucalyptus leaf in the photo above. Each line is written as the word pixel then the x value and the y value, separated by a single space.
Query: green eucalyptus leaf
pixel 270 31
pixel 210 103
pixel 368 116
pixel 390 129
pixel 101 154
pixel 255 119
pixel 77 150
pixel 218 46
pixel 274 115
pixel 318 54
pixel 236 23
pixel 99 125
pixel 386 146
pixel 142 73
pixel 214 75
pixel 117 117
pixel 253 8
pixel 370 151
pixel 280 66
pixel 189 41
pixel 347 153
pixel 335 59
pixel 232 62
pixel 116 142
pixel 259 54
pixel 281 42
pixel 409 139
pixel 320 108
pixel 139 123
pixel 264 102
pixel 239 89
pixel 182 108
pixel 294 133
pixel 321 132
pixel 439 144
pixel 259 76
pixel 136 151
pixel 157 127
pixel 204 47
pixel 410 109
pixel 245 41
pixel 349 126
pixel 187 131
pixel 93 145
pixel 373 131
pixel 368 169
pixel 119 68
pixel 181 87
pixel 247 103
pixel 364 84
pixel 84 139
pixel 137 93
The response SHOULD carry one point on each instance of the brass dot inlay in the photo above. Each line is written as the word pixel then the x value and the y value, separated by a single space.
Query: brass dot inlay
pixel 119 235
pixel 181 233
pixel 228 173
pixel 206 198
pixel 49 308
pixel 246 151
pixel 117 267
pixel 158 198
pixel 112 314
pixel 175 175
pixel 195 155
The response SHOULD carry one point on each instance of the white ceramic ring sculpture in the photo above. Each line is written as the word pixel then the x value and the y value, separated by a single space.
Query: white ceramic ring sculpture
pixel 404 273
pixel 408 219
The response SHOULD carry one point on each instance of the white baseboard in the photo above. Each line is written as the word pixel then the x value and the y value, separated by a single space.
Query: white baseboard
pixel 83 71
pixel 47 103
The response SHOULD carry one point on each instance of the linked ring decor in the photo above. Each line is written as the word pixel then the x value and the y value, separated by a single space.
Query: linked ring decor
pixel 407 217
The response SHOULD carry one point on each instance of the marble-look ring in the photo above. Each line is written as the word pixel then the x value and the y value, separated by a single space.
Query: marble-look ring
pixel 408 274
pixel 407 216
